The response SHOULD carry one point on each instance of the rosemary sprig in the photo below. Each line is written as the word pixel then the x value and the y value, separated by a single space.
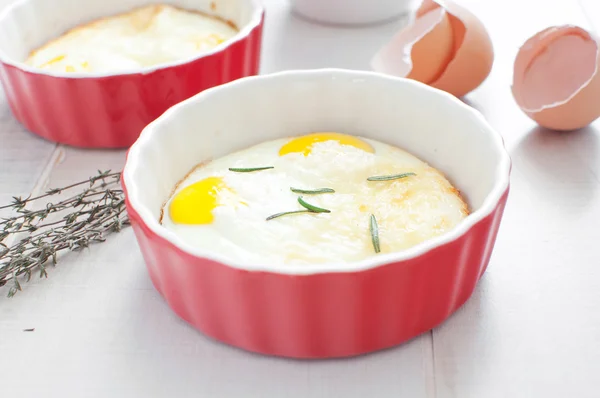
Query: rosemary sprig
pixel 85 218
pixel 317 191
pixel 309 209
pixel 390 177
pixel 374 228
pixel 312 208
pixel 249 169
pixel 285 213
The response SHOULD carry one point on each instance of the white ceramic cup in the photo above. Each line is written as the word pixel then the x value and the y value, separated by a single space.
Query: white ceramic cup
pixel 352 12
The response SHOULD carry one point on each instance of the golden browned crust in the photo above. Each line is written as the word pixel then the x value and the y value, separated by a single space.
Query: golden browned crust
pixel 449 188
pixel 141 21
pixel 465 209
pixel 176 187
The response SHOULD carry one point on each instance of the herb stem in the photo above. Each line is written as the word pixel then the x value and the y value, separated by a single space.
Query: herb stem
pixel 18 202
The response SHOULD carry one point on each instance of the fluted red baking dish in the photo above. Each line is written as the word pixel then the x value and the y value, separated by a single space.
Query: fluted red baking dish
pixel 107 110
pixel 319 310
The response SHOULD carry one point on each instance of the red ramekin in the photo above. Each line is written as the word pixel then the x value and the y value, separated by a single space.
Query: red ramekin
pixel 109 110
pixel 319 310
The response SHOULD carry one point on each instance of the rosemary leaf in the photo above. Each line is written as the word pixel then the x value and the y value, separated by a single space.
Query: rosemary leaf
pixel 312 208
pixel 285 213
pixel 312 191
pixel 374 228
pixel 390 177
pixel 249 169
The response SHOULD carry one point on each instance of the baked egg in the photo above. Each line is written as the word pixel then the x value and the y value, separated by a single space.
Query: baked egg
pixel 318 198
pixel 146 36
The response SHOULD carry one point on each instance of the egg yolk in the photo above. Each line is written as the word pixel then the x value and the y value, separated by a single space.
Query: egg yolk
pixel 305 143
pixel 194 204
pixel 53 61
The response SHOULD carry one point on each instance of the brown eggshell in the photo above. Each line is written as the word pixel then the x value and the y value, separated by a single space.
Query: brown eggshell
pixel 556 80
pixel 427 48
pixel 468 64
pixel 425 7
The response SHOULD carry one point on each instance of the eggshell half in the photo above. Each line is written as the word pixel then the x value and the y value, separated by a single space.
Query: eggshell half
pixel 425 7
pixel 556 80
pixel 426 49
pixel 420 50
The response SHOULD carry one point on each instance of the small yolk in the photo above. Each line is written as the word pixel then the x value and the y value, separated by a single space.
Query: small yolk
pixel 70 68
pixel 53 61
pixel 195 203
pixel 305 143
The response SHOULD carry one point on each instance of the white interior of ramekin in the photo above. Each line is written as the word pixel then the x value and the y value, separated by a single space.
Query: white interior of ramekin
pixel 427 122
pixel 27 25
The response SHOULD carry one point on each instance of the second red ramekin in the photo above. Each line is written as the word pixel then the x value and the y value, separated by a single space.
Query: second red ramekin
pixel 99 110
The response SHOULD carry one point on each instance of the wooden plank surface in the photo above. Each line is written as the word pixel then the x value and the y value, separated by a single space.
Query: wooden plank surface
pixel 530 330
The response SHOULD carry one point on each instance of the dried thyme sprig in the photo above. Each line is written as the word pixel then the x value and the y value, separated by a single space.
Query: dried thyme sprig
pixel 85 218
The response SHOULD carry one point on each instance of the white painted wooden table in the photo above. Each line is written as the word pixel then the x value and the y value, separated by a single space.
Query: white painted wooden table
pixel 531 329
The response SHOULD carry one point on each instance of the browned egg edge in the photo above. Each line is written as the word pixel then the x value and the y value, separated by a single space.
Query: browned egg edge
pixel 156 10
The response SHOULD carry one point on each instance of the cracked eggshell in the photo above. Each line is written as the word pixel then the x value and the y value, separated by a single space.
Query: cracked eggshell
pixel 445 47
pixel 556 80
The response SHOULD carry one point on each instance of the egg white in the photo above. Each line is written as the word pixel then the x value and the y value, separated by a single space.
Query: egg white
pixel 408 211
pixel 144 37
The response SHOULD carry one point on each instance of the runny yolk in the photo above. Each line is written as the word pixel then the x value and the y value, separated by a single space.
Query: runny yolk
pixel 195 203
pixel 305 143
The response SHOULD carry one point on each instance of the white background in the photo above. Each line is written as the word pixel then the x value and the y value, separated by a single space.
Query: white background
pixel 531 329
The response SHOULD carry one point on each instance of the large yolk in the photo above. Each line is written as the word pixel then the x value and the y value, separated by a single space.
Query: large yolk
pixel 194 204
pixel 305 143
